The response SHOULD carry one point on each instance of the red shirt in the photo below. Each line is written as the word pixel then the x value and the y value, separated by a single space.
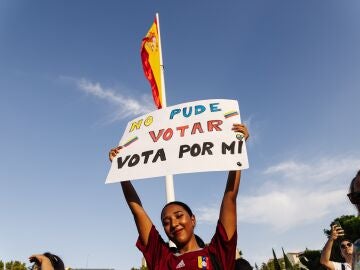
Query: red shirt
pixel 159 257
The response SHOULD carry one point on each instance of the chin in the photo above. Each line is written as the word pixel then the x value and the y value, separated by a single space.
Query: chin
pixel 179 242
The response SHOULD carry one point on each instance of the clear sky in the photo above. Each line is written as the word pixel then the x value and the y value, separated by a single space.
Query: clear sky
pixel 71 79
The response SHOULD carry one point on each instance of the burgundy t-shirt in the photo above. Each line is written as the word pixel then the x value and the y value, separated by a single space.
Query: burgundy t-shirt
pixel 159 257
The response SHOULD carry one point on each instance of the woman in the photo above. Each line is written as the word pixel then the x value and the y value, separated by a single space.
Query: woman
pixel 179 223
pixel 47 261
pixel 346 249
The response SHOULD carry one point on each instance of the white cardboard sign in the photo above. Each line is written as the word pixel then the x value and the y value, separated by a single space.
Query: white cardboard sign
pixel 185 138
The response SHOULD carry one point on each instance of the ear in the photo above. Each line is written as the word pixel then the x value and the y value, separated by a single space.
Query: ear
pixel 193 221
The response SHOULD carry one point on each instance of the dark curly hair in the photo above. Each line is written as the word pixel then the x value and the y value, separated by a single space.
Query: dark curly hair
pixel 55 260
pixel 352 184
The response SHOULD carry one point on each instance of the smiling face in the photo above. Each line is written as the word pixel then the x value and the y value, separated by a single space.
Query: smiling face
pixel 178 225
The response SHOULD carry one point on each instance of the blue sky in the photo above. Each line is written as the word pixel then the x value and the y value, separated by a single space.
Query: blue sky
pixel 71 79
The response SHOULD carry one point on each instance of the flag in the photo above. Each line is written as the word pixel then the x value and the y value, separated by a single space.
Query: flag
pixel 150 57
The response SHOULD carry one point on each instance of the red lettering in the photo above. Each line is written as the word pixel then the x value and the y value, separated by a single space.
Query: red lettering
pixel 197 126
pixel 182 130
pixel 214 124
pixel 156 138
pixel 168 134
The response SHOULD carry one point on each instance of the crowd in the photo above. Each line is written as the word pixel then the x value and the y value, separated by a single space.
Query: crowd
pixel 189 251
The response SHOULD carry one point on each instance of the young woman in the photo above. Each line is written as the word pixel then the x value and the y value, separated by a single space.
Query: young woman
pixel 346 248
pixel 179 223
pixel 46 261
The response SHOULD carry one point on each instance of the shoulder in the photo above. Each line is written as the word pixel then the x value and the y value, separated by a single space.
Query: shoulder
pixel 337 265
pixel 154 239
pixel 222 248
pixel 220 231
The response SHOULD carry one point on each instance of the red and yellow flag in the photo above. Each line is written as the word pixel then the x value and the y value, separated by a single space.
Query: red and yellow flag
pixel 150 57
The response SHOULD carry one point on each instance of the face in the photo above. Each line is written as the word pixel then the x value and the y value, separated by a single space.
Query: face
pixel 178 224
pixel 346 248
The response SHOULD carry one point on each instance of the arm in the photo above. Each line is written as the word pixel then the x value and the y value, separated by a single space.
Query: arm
pixel 228 204
pixel 42 261
pixel 336 231
pixel 142 220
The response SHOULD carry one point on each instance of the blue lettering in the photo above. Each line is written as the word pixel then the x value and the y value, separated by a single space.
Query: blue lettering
pixel 199 109
pixel 173 112
pixel 214 108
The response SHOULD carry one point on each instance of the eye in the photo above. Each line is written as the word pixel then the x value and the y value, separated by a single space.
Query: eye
pixel 165 222
pixel 179 215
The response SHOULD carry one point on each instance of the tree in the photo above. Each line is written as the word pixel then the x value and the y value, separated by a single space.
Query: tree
pixel 311 260
pixel 276 261
pixel 1 265
pixel 15 265
pixel 264 267
pixel 288 264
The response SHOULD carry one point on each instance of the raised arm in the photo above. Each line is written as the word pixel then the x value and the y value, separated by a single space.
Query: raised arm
pixel 336 231
pixel 142 220
pixel 41 261
pixel 228 204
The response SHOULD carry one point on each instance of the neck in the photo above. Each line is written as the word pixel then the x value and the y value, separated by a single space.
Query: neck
pixel 189 246
pixel 348 259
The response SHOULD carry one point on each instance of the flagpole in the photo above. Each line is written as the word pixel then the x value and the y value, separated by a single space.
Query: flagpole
pixel 169 180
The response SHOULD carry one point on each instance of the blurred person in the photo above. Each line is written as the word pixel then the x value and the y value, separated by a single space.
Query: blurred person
pixel 242 264
pixel 354 192
pixel 346 249
pixel 46 261
pixel 354 197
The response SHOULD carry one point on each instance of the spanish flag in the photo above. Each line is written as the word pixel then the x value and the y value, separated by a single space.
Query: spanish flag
pixel 150 57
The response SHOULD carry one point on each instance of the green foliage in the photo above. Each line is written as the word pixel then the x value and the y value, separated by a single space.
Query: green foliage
pixel 351 226
pixel 15 265
pixel 311 260
pixel 276 262
pixel 264 267
pixel 1 265
pixel 279 264
pixel 288 265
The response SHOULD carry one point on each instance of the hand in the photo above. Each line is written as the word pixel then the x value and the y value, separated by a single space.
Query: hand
pixel 38 259
pixel 242 129
pixel 113 152
pixel 336 231
pixel 41 261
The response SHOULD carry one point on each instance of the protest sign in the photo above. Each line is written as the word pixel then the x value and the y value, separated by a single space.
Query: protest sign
pixel 185 138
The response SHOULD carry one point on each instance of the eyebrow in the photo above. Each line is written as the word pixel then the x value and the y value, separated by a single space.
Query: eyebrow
pixel 174 213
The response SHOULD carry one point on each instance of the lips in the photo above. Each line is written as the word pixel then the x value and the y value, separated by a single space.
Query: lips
pixel 177 232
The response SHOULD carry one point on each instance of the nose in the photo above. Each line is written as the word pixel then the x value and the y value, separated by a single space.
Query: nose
pixel 173 223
